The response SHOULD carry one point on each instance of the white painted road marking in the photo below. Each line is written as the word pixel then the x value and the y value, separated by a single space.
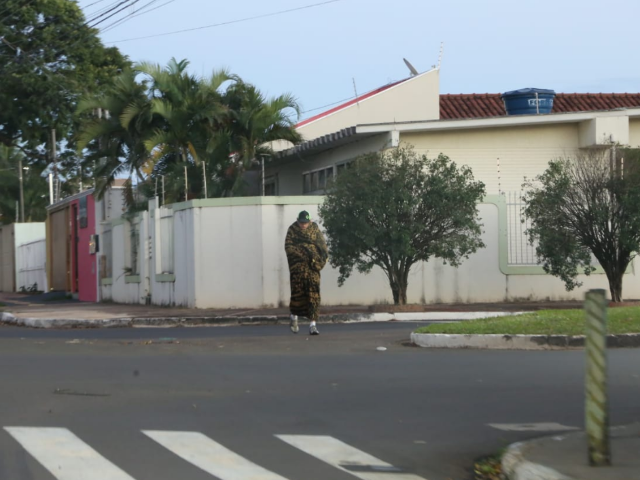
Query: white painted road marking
pixel 65 455
pixel 347 458
pixel 532 427
pixel 210 456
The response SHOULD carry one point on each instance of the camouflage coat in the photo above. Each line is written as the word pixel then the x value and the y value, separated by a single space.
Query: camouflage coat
pixel 307 254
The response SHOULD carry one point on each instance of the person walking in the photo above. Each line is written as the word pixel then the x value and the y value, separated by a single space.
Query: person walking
pixel 307 254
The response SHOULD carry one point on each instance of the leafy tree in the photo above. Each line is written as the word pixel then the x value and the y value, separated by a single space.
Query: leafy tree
pixel 35 188
pixel 584 206
pixel 395 208
pixel 49 58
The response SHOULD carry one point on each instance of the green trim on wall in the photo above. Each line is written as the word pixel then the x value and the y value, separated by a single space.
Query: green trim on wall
pixel 249 201
pixel 503 237
pixel 137 218
pixel 132 279
pixel 106 281
pixel 165 277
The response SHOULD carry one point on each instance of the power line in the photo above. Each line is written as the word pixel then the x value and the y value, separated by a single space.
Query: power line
pixel 229 22
pixel 90 17
pixel 329 104
pixel 138 13
pixel 339 101
pixel 115 13
pixel 123 2
pixel 44 71
pixel 94 3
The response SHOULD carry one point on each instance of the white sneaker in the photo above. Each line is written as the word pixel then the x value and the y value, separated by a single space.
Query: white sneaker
pixel 313 330
pixel 293 323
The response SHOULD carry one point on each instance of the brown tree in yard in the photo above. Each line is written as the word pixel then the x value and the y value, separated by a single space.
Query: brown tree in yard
pixel 587 206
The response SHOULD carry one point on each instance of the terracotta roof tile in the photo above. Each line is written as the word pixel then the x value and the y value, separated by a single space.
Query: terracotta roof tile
pixel 483 105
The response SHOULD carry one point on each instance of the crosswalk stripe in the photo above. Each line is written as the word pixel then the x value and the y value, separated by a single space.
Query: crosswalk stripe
pixel 65 455
pixel 210 456
pixel 347 458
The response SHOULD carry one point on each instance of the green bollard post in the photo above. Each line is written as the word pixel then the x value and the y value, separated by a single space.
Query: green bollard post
pixel 596 407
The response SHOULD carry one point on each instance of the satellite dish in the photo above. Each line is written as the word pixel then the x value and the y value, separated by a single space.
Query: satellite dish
pixel 411 68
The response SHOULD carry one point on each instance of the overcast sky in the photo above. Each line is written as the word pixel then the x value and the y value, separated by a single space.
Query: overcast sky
pixel 317 52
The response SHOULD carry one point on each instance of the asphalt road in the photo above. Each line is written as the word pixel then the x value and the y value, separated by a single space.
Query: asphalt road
pixel 165 404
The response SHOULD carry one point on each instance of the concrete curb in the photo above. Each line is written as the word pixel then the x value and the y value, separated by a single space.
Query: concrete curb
pixel 516 467
pixel 517 342
pixel 124 322
pixel 10 319
pixel 437 316
pixel 129 322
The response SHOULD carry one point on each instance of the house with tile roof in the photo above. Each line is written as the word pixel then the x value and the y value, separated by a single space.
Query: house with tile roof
pixel 476 130
pixel 472 129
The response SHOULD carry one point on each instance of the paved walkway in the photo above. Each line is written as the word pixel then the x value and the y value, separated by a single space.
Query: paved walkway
pixel 44 305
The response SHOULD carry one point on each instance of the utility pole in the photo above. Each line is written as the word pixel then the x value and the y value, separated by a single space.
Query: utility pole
pixel 204 177
pixel 262 158
pixel 186 185
pixel 263 178
pixel 55 165
pixel 21 189
pixel 100 144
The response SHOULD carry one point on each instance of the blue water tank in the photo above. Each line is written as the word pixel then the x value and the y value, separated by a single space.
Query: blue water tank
pixel 528 101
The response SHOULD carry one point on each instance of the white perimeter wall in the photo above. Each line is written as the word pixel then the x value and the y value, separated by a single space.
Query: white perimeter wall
pixel 177 288
pixel 232 256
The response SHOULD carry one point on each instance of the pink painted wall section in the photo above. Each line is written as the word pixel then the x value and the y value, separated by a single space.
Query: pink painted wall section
pixel 86 282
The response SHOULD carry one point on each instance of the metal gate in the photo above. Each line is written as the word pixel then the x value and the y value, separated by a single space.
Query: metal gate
pixel 31 261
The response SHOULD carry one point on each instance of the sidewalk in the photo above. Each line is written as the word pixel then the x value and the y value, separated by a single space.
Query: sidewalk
pixel 564 457
pixel 42 305
pixel 54 310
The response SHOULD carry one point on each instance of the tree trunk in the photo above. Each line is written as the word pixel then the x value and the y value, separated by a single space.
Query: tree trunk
pixel 615 273
pixel 399 294
pixel 398 280
pixel 615 285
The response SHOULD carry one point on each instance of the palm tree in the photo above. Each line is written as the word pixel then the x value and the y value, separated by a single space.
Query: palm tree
pixel 189 111
pixel 256 122
pixel 115 140
pixel 172 120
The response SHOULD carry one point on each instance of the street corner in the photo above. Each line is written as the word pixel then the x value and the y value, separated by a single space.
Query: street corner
pixel 565 457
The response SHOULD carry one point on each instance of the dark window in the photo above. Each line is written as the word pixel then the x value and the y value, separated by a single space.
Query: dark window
pixel 270 189
pixel 306 183
pixel 82 213
pixel 318 181
pixel 342 167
